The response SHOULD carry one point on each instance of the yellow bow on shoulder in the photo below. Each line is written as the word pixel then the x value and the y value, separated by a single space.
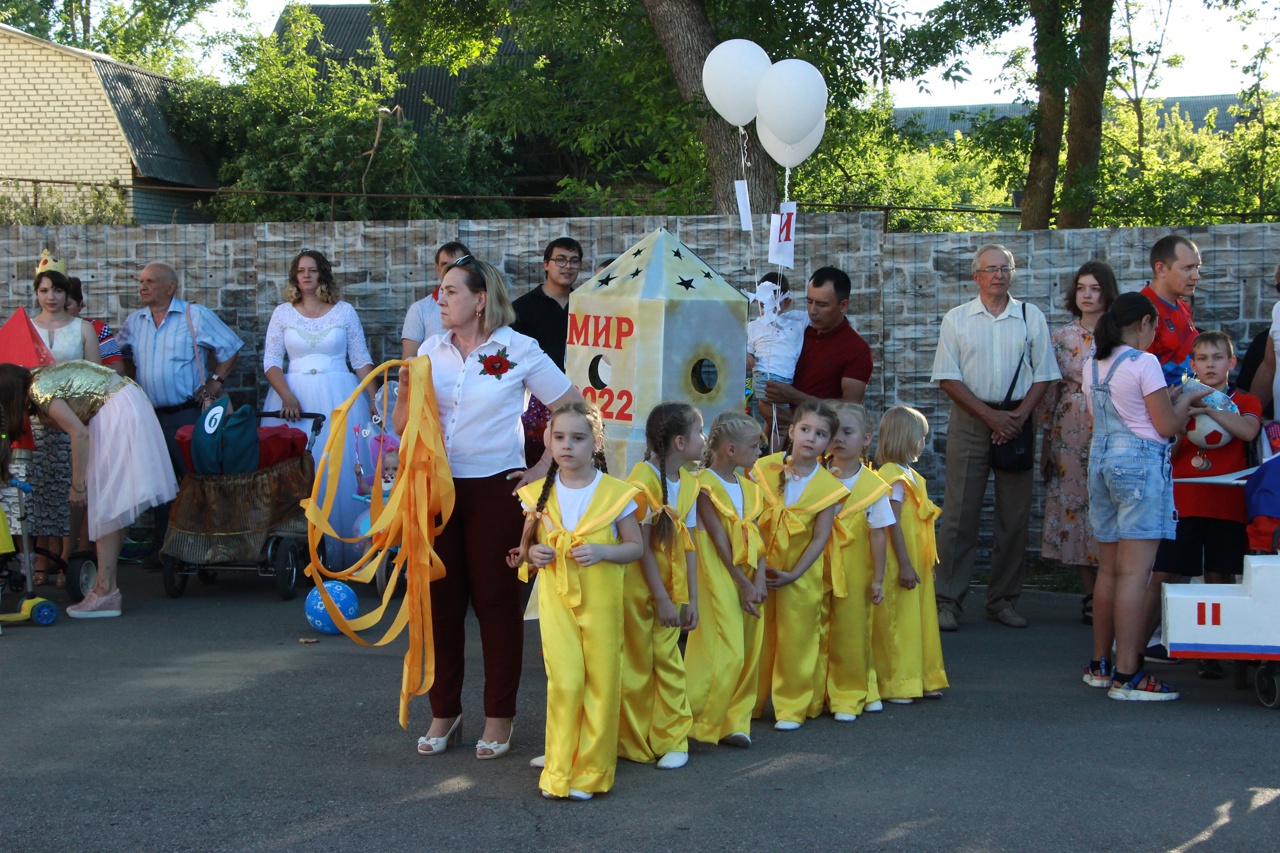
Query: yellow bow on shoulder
pixel 420 503
pixel 674 576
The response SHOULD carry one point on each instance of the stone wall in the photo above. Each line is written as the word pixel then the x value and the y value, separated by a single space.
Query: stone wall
pixel 903 283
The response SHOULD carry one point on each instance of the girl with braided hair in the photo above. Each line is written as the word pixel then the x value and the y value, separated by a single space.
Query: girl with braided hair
pixel 581 531
pixel 722 657
pixel 801 500
pixel 661 593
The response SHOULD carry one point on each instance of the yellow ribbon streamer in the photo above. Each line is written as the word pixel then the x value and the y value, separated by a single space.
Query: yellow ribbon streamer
pixel 420 503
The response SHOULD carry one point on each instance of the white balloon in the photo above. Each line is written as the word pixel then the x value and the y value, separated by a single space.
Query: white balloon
pixel 790 156
pixel 791 99
pixel 729 77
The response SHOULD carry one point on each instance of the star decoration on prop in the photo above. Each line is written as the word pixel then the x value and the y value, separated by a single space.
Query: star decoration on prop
pixel 660 266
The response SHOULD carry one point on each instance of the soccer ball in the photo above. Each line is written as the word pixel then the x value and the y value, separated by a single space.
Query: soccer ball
pixel 1204 432
pixel 342 595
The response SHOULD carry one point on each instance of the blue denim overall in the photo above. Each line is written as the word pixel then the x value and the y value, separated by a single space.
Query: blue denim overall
pixel 1130 477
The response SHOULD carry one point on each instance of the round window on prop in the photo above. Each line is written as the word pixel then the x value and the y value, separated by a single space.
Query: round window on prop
pixel 704 375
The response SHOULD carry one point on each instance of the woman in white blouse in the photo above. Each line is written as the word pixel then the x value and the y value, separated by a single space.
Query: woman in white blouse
pixel 483 373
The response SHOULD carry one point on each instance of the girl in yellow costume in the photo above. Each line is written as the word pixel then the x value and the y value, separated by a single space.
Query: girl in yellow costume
pixel 802 499
pixel 661 592
pixel 722 657
pixel 581 532
pixel 906 645
pixel 855 562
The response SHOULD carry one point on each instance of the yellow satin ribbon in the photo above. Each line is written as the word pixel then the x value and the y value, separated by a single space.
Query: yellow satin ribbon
pixel 744 537
pixel 419 505
pixel 926 511
pixel 842 537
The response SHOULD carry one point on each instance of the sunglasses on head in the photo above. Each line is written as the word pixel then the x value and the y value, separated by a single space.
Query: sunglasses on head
pixel 468 261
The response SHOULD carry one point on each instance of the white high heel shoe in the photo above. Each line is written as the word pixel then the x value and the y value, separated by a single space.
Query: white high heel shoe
pixel 499 749
pixel 438 745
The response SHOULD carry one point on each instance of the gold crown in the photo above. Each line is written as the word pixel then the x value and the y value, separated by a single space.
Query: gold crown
pixel 49 263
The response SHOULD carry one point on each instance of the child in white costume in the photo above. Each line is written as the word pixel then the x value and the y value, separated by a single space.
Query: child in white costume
pixel 774 341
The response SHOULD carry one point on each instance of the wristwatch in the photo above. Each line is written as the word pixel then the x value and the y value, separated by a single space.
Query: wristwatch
pixel 213 377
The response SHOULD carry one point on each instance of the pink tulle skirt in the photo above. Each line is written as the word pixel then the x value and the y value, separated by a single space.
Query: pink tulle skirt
pixel 129 469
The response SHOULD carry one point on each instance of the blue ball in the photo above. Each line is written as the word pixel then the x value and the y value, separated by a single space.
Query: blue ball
pixel 342 595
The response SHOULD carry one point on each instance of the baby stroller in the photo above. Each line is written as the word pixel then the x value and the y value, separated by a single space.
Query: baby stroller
pixel 246 522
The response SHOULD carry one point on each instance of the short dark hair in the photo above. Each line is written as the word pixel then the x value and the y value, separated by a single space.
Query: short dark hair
pixel 75 290
pixel 777 278
pixel 837 278
pixel 1106 280
pixel 1215 338
pixel 57 279
pixel 453 248
pixel 567 243
pixel 1165 251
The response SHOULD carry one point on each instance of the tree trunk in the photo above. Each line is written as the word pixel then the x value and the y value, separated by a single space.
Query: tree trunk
pixel 685 32
pixel 1051 56
pixel 1084 132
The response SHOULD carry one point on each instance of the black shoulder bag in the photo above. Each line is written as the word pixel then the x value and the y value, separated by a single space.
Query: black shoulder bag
pixel 1019 453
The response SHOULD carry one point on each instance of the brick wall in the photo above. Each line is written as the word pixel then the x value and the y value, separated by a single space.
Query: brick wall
pixel 55 120
pixel 903 283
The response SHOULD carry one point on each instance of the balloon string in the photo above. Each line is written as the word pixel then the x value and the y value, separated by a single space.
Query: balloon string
pixel 786 185
pixel 742 137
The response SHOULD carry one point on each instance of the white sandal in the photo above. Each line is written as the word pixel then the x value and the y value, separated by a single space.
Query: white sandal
pixel 499 749
pixel 438 745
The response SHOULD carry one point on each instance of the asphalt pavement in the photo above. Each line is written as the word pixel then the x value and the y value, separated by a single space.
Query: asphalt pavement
pixel 203 723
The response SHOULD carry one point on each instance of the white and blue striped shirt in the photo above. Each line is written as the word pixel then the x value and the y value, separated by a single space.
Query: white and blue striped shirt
pixel 983 351
pixel 165 355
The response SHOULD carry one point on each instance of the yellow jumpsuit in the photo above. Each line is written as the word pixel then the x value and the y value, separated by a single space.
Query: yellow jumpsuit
pixel 850 676
pixel 655 716
pixel 791 642
pixel 722 657
pixel 905 644
pixel 580 616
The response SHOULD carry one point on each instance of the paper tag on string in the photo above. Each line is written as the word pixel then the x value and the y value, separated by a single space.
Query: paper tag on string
pixel 744 204
pixel 782 234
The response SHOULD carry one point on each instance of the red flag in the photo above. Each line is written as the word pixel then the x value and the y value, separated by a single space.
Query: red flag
pixel 20 342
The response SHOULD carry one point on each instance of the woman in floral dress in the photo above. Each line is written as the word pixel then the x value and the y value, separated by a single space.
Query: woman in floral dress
pixel 1066 535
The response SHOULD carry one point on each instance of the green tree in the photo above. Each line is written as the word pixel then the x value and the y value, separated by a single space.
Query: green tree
pixel 302 122
pixel 660 47
pixel 866 160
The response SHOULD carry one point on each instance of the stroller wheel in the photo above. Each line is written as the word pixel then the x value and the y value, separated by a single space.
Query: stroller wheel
pixel 1268 689
pixel 175 581
pixel 81 572
pixel 288 563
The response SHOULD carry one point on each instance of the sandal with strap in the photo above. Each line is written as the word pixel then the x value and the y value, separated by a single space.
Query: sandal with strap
pixel 1086 610
pixel 1098 673
pixel 1142 688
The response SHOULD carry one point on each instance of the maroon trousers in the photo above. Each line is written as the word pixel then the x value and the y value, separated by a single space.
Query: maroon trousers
pixel 487 522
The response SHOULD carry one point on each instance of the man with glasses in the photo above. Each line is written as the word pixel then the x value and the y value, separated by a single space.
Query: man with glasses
pixel 543 314
pixel 982 346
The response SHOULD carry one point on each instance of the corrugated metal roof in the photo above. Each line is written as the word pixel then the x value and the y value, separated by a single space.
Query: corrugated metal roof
pixel 948 120
pixel 347 29
pixel 137 97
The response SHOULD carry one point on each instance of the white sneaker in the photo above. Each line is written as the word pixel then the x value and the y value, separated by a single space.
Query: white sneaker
pixel 845 718
pixel 786 725
pixel 673 761
pixel 538 763
pixel 874 707
pixel 741 739
pixel 900 701
pixel 580 796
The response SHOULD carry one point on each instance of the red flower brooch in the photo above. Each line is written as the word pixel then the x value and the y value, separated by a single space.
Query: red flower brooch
pixel 495 365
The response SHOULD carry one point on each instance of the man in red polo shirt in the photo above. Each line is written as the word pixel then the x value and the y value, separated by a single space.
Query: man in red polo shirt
pixel 835 363
pixel 1175 270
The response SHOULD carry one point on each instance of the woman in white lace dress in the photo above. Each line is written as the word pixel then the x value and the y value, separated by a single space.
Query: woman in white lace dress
pixel 316 335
